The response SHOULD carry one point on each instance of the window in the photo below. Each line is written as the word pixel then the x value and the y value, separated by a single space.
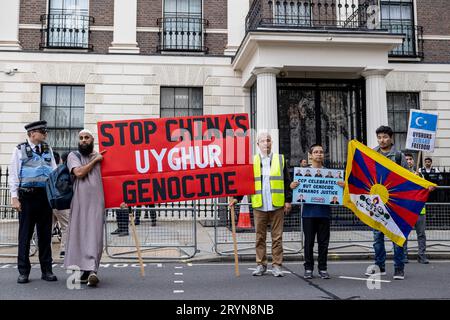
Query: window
pixel 63 109
pixel 180 102
pixel 182 25
pixel 398 17
pixel 399 104
pixel 68 24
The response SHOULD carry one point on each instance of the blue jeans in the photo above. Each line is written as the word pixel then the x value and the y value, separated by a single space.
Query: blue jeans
pixel 380 252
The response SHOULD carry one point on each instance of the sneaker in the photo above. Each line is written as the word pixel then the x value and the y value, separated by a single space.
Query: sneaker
pixel 123 234
pixel 117 231
pixel 92 279
pixel 23 278
pixel 276 271
pixel 308 274
pixel 399 274
pixel 62 254
pixel 260 270
pixel 372 272
pixel 324 274
pixel 423 260
pixel 153 223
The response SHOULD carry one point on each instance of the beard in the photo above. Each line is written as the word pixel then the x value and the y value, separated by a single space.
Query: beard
pixel 86 149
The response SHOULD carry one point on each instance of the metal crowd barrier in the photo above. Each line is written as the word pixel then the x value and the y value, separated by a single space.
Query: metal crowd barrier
pixel 166 231
pixel 9 233
pixel 245 231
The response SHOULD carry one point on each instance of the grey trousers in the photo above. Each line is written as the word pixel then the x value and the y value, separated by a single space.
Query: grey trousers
pixel 421 238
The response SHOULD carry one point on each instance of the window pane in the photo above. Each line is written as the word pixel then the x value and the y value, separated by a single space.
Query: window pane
pixel 196 6
pixel 170 6
pixel 77 117
pixel 62 117
pixel 62 138
pixel 181 98
pixel 196 98
pixel 399 105
pixel 183 6
pixel 167 98
pixel 48 96
pixel 66 114
pixel 77 96
pixel 51 139
pixel 74 139
pixel 181 102
pixel 181 112
pixel 166 113
pixel 195 112
pixel 48 114
pixel 56 5
pixel 63 96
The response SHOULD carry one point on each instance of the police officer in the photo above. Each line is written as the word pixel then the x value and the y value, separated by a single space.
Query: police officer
pixel 31 163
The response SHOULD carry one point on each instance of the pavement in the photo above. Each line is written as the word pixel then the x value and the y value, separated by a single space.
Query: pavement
pixel 172 273
pixel 176 241
pixel 218 281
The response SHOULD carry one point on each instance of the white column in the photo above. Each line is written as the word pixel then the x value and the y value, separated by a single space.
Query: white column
pixel 376 104
pixel 9 25
pixel 236 12
pixel 266 103
pixel 125 14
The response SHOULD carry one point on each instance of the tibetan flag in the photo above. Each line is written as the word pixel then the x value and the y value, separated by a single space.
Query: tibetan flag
pixel 384 195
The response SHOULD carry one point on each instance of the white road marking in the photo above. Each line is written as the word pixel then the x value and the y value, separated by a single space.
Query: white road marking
pixel 178 281
pixel 159 265
pixel 178 267
pixel 178 291
pixel 364 279
pixel 178 273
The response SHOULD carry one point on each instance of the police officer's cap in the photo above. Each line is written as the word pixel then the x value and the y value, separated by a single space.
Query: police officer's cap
pixel 41 124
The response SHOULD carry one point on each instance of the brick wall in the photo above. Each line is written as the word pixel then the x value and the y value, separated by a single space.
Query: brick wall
pixel 216 43
pixel 31 10
pixel 147 42
pixel 30 38
pixel 433 16
pixel 215 11
pixel 102 11
pixel 436 51
pixel 148 11
pixel 101 41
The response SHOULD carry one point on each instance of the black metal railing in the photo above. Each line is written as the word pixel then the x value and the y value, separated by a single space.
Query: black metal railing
pixel 412 46
pixel 312 14
pixel 66 31
pixel 182 34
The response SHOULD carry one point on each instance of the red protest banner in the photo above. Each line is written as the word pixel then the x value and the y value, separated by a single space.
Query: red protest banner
pixel 175 159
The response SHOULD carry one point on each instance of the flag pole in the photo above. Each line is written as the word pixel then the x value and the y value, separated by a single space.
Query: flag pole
pixel 136 242
pixel 419 158
pixel 233 230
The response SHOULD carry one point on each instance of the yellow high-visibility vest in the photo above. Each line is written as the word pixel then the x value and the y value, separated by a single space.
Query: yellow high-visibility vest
pixel 276 181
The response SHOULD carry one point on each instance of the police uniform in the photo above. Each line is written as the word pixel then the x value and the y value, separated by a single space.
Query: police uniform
pixel 30 167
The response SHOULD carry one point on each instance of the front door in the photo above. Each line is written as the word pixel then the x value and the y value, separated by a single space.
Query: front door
pixel 327 112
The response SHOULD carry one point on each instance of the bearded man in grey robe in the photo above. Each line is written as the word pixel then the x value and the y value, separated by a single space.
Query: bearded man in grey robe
pixel 85 235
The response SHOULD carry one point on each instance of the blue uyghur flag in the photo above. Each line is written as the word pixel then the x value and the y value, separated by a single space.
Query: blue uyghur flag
pixel 423 121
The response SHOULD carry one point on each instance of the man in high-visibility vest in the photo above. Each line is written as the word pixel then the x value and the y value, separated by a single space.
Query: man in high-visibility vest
pixel 272 199
pixel 420 223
